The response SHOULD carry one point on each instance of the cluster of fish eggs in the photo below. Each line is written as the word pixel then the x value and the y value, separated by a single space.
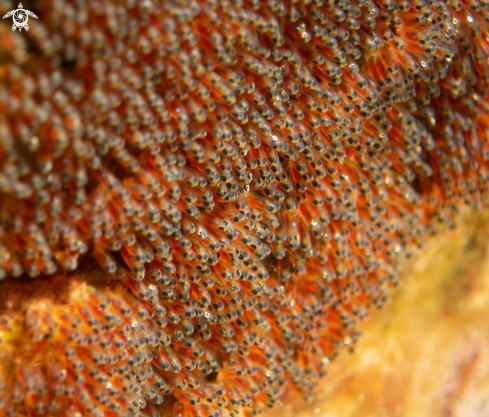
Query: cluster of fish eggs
pixel 249 171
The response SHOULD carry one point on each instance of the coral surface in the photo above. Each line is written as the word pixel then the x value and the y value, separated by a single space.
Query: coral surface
pixel 200 199
pixel 426 354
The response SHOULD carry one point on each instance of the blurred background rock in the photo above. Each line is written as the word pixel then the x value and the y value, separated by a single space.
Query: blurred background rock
pixel 426 354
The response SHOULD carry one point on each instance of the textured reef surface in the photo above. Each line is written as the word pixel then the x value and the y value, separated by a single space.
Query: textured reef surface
pixel 200 200
pixel 426 354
